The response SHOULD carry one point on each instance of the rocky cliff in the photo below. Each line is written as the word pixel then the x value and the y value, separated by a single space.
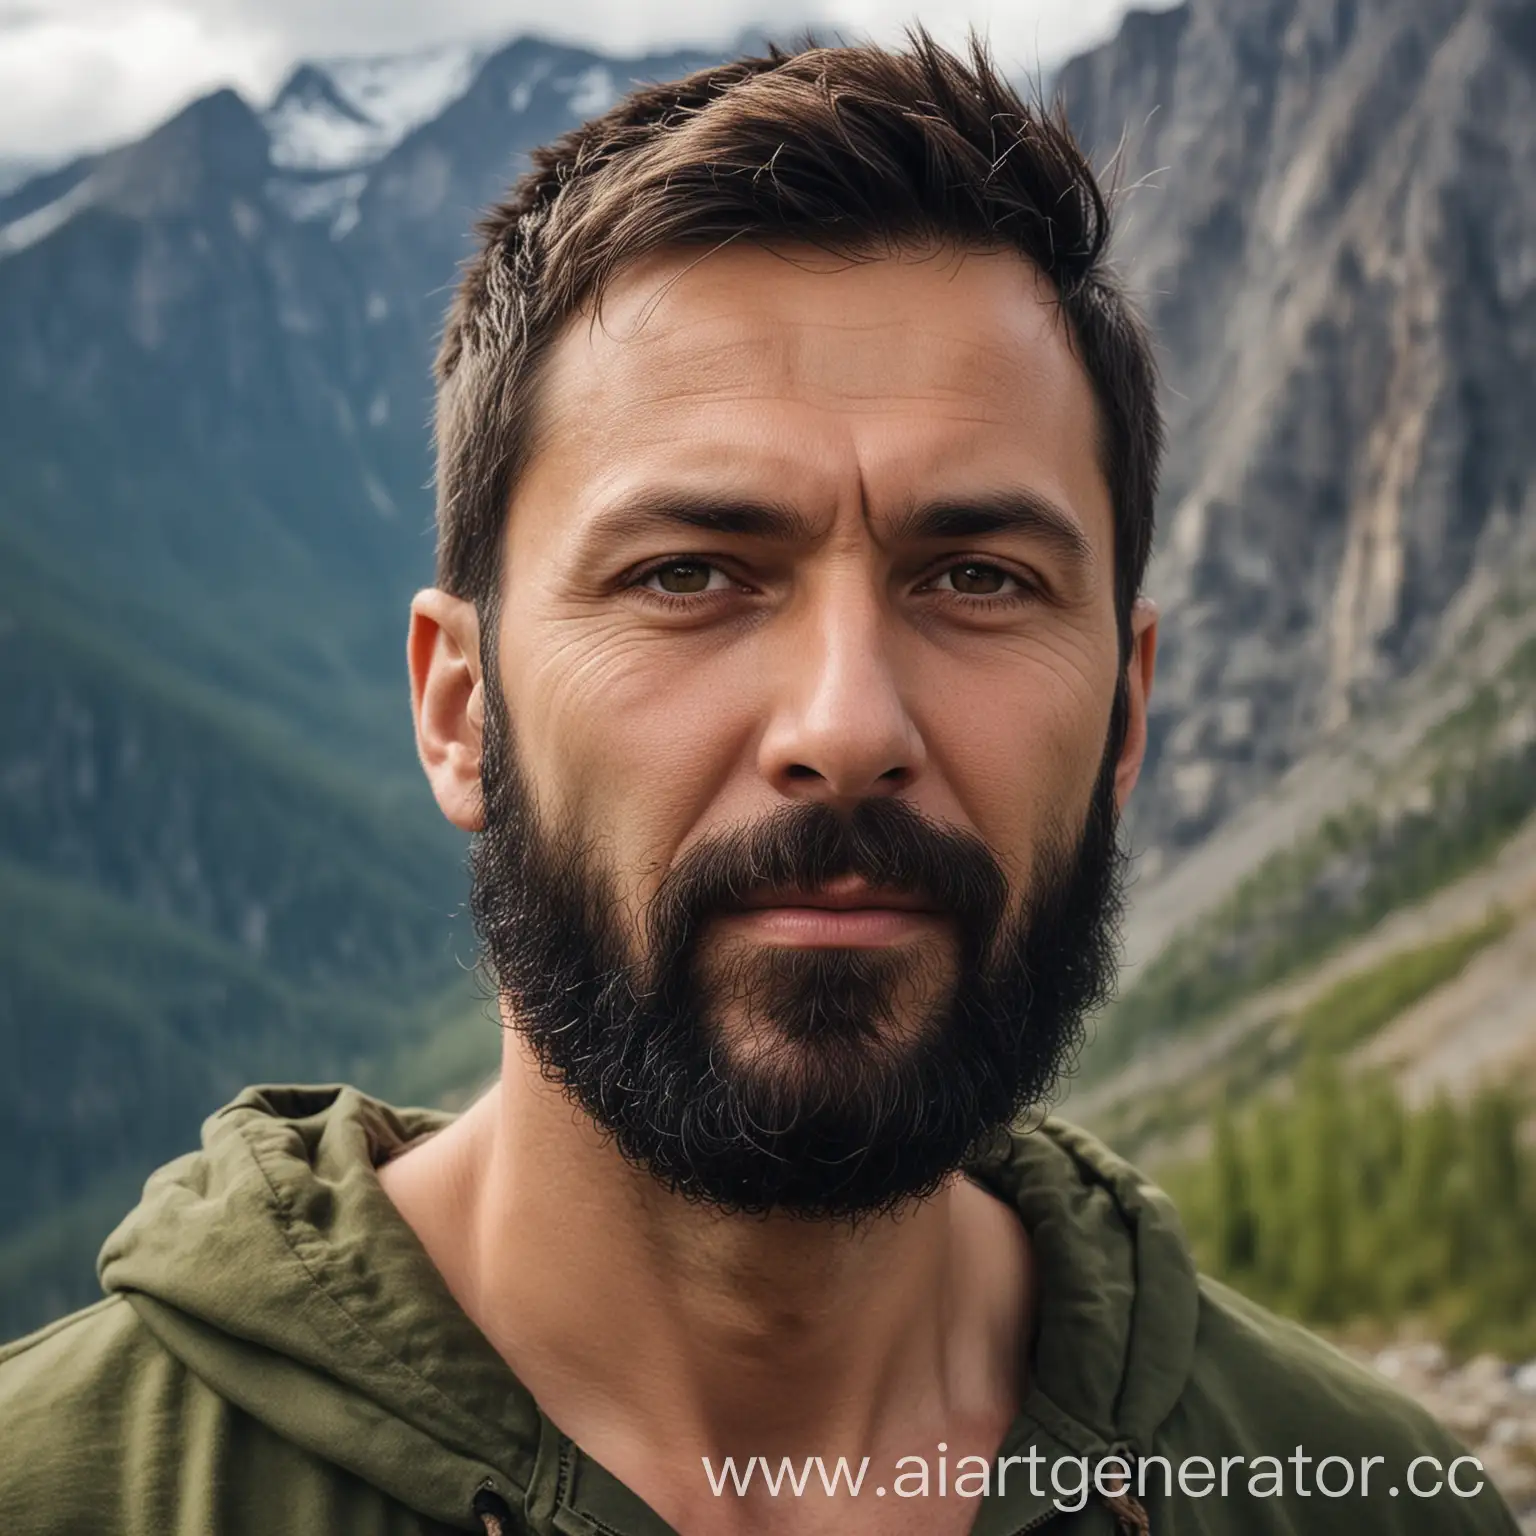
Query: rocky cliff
pixel 1328 214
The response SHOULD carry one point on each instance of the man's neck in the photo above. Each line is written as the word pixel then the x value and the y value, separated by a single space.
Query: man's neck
pixel 655 1331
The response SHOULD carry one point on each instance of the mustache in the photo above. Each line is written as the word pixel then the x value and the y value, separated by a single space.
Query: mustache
pixel 886 843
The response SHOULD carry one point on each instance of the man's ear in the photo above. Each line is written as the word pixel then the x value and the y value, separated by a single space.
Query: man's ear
pixel 448 702
pixel 1139 670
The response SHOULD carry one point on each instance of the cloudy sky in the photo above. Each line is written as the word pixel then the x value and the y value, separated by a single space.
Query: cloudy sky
pixel 77 74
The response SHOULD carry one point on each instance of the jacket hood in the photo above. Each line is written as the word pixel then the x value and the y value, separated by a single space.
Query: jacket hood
pixel 272 1264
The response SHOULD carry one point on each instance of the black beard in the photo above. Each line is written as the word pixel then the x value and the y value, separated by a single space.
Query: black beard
pixel 843 1108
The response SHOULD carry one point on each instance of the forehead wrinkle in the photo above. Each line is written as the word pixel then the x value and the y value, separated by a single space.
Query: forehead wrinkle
pixel 715 332
pixel 805 363
pixel 766 355
pixel 712 378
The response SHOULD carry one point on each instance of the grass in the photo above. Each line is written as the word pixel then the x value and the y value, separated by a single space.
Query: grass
pixel 1344 1016
pixel 1303 903
pixel 1355 1008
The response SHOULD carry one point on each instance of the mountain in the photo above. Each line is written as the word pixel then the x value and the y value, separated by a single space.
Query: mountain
pixel 1327 216
pixel 1332 229
pixel 16 169
pixel 1325 1042
pixel 217 351
pixel 218 859
pixel 345 114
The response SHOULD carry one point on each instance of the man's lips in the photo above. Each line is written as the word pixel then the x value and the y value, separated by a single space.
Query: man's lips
pixel 844 913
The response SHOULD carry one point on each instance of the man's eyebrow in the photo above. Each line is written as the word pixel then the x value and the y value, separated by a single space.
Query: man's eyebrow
pixel 649 511
pixel 972 516
pixel 1011 511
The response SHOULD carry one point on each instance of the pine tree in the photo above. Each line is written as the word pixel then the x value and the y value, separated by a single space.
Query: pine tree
pixel 1319 1287
pixel 1341 1203
pixel 1232 1203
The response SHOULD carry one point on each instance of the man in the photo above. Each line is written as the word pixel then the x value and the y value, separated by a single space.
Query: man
pixel 797 456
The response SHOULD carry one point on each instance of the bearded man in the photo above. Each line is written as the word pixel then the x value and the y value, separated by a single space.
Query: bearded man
pixel 797 455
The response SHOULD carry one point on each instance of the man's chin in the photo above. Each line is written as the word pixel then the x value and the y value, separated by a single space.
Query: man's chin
pixel 777 1003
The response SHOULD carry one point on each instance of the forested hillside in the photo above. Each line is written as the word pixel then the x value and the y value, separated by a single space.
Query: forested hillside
pixel 218 860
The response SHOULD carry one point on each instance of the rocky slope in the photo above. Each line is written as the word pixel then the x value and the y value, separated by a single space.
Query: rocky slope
pixel 1382 838
pixel 1333 231
pixel 1487 1402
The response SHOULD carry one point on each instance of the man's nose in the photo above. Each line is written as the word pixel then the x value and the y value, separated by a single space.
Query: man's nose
pixel 840 728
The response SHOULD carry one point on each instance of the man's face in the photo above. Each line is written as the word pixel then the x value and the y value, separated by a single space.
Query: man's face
pixel 799 775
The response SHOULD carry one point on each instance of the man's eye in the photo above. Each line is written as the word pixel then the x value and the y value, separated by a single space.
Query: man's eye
pixel 974 579
pixel 682 578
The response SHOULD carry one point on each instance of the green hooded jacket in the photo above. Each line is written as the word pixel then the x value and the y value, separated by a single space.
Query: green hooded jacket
pixel 276 1353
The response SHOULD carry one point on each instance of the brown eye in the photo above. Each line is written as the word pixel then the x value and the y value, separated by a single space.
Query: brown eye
pixel 683 577
pixel 977 580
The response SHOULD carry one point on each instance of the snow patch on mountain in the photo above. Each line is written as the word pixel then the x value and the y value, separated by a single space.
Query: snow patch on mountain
pixel 339 114
pixel 42 222
pixel 591 92
pixel 333 199
pixel 522 92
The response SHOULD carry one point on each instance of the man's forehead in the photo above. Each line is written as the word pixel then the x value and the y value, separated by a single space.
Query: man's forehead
pixel 931 365
pixel 755 319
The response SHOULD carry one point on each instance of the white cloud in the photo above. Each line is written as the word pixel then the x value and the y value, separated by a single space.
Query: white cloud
pixel 80 73
pixel 77 74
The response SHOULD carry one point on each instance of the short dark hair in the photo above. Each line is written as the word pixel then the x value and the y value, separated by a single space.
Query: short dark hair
pixel 853 149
